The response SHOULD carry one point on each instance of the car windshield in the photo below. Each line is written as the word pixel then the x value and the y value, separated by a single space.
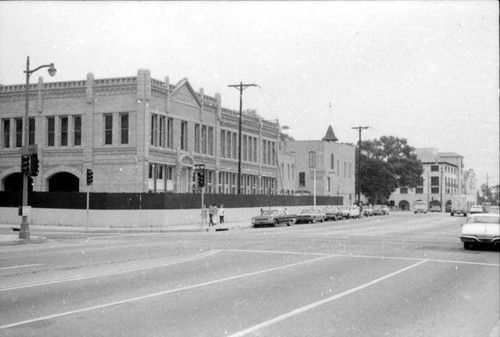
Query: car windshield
pixel 484 219
pixel 307 211
pixel 270 212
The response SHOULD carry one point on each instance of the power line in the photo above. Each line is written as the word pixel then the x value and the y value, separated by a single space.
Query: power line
pixel 359 128
pixel 241 87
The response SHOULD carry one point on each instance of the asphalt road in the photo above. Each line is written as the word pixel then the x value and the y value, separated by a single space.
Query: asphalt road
pixel 396 275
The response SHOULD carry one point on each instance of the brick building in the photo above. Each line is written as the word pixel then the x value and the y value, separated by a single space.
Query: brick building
pixel 137 134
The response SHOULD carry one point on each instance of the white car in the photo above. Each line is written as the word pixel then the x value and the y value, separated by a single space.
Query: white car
pixel 481 228
pixel 476 209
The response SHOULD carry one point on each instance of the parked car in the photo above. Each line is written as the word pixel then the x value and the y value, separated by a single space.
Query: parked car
pixel 354 212
pixel 368 211
pixel 480 229
pixel 345 212
pixel 420 207
pixel 386 210
pixel 310 215
pixel 435 208
pixel 333 213
pixel 380 210
pixel 273 217
pixel 476 209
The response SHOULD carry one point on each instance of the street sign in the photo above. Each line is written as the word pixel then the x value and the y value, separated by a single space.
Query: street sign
pixel 26 210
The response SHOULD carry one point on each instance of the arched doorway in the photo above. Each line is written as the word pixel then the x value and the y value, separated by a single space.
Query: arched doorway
pixel 448 206
pixel 404 205
pixel 64 182
pixel 14 183
pixel 435 203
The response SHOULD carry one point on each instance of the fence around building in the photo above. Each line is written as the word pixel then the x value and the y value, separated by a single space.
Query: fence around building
pixel 144 209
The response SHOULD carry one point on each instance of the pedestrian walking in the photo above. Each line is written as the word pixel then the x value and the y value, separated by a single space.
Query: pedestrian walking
pixel 211 215
pixel 222 213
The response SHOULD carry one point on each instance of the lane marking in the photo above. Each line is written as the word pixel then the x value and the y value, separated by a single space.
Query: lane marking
pixel 23 266
pixel 156 234
pixel 37 284
pixel 363 256
pixel 321 302
pixel 161 293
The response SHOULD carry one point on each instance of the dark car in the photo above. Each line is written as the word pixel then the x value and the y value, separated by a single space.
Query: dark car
pixel 273 217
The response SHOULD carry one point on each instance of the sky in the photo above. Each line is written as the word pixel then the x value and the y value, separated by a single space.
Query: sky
pixel 426 71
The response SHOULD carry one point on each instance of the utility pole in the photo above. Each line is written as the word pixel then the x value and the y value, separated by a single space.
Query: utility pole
pixel 241 87
pixel 359 128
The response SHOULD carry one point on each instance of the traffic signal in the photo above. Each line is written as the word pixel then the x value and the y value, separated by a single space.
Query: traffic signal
pixel 90 177
pixel 34 165
pixel 25 164
pixel 201 178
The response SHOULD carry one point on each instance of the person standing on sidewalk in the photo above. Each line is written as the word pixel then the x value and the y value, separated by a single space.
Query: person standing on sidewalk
pixel 211 215
pixel 222 213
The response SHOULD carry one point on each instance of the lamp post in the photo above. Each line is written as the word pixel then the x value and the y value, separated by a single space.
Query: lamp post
pixel 24 232
pixel 240 86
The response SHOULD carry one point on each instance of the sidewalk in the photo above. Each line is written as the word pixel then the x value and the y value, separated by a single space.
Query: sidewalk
pixel 9 234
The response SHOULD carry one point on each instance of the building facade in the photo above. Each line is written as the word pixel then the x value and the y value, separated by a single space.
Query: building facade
pixel 444 176
pixel 323 167
pixel 137 134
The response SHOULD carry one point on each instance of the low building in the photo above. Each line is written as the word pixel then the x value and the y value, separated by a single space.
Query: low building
pixel 323 167
pixel 443 177
pixel 136 134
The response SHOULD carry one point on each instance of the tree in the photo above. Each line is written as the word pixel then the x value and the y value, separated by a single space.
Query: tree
pixel 488 194
pixel 377 180
pixel 386 164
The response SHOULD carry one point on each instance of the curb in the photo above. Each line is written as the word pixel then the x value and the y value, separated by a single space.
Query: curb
pixel 16 242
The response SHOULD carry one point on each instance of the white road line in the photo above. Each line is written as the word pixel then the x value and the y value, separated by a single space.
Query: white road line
pixel 321 302
pixel 362 256
pixel 137 235
pixel 37 284
pixel 273 252
pixel 24 266
pixel 161 293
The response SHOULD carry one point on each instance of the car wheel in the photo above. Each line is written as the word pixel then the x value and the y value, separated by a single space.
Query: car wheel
pixel 275 223
pixel 467 245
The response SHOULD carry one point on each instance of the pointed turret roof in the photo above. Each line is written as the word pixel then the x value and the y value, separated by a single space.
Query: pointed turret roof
pixel 330 136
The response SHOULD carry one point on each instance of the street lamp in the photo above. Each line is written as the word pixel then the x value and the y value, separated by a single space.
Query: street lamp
pixel 240 86
pixel 24 231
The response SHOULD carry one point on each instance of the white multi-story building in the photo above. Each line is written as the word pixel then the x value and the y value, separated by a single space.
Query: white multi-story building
pixel 443 177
